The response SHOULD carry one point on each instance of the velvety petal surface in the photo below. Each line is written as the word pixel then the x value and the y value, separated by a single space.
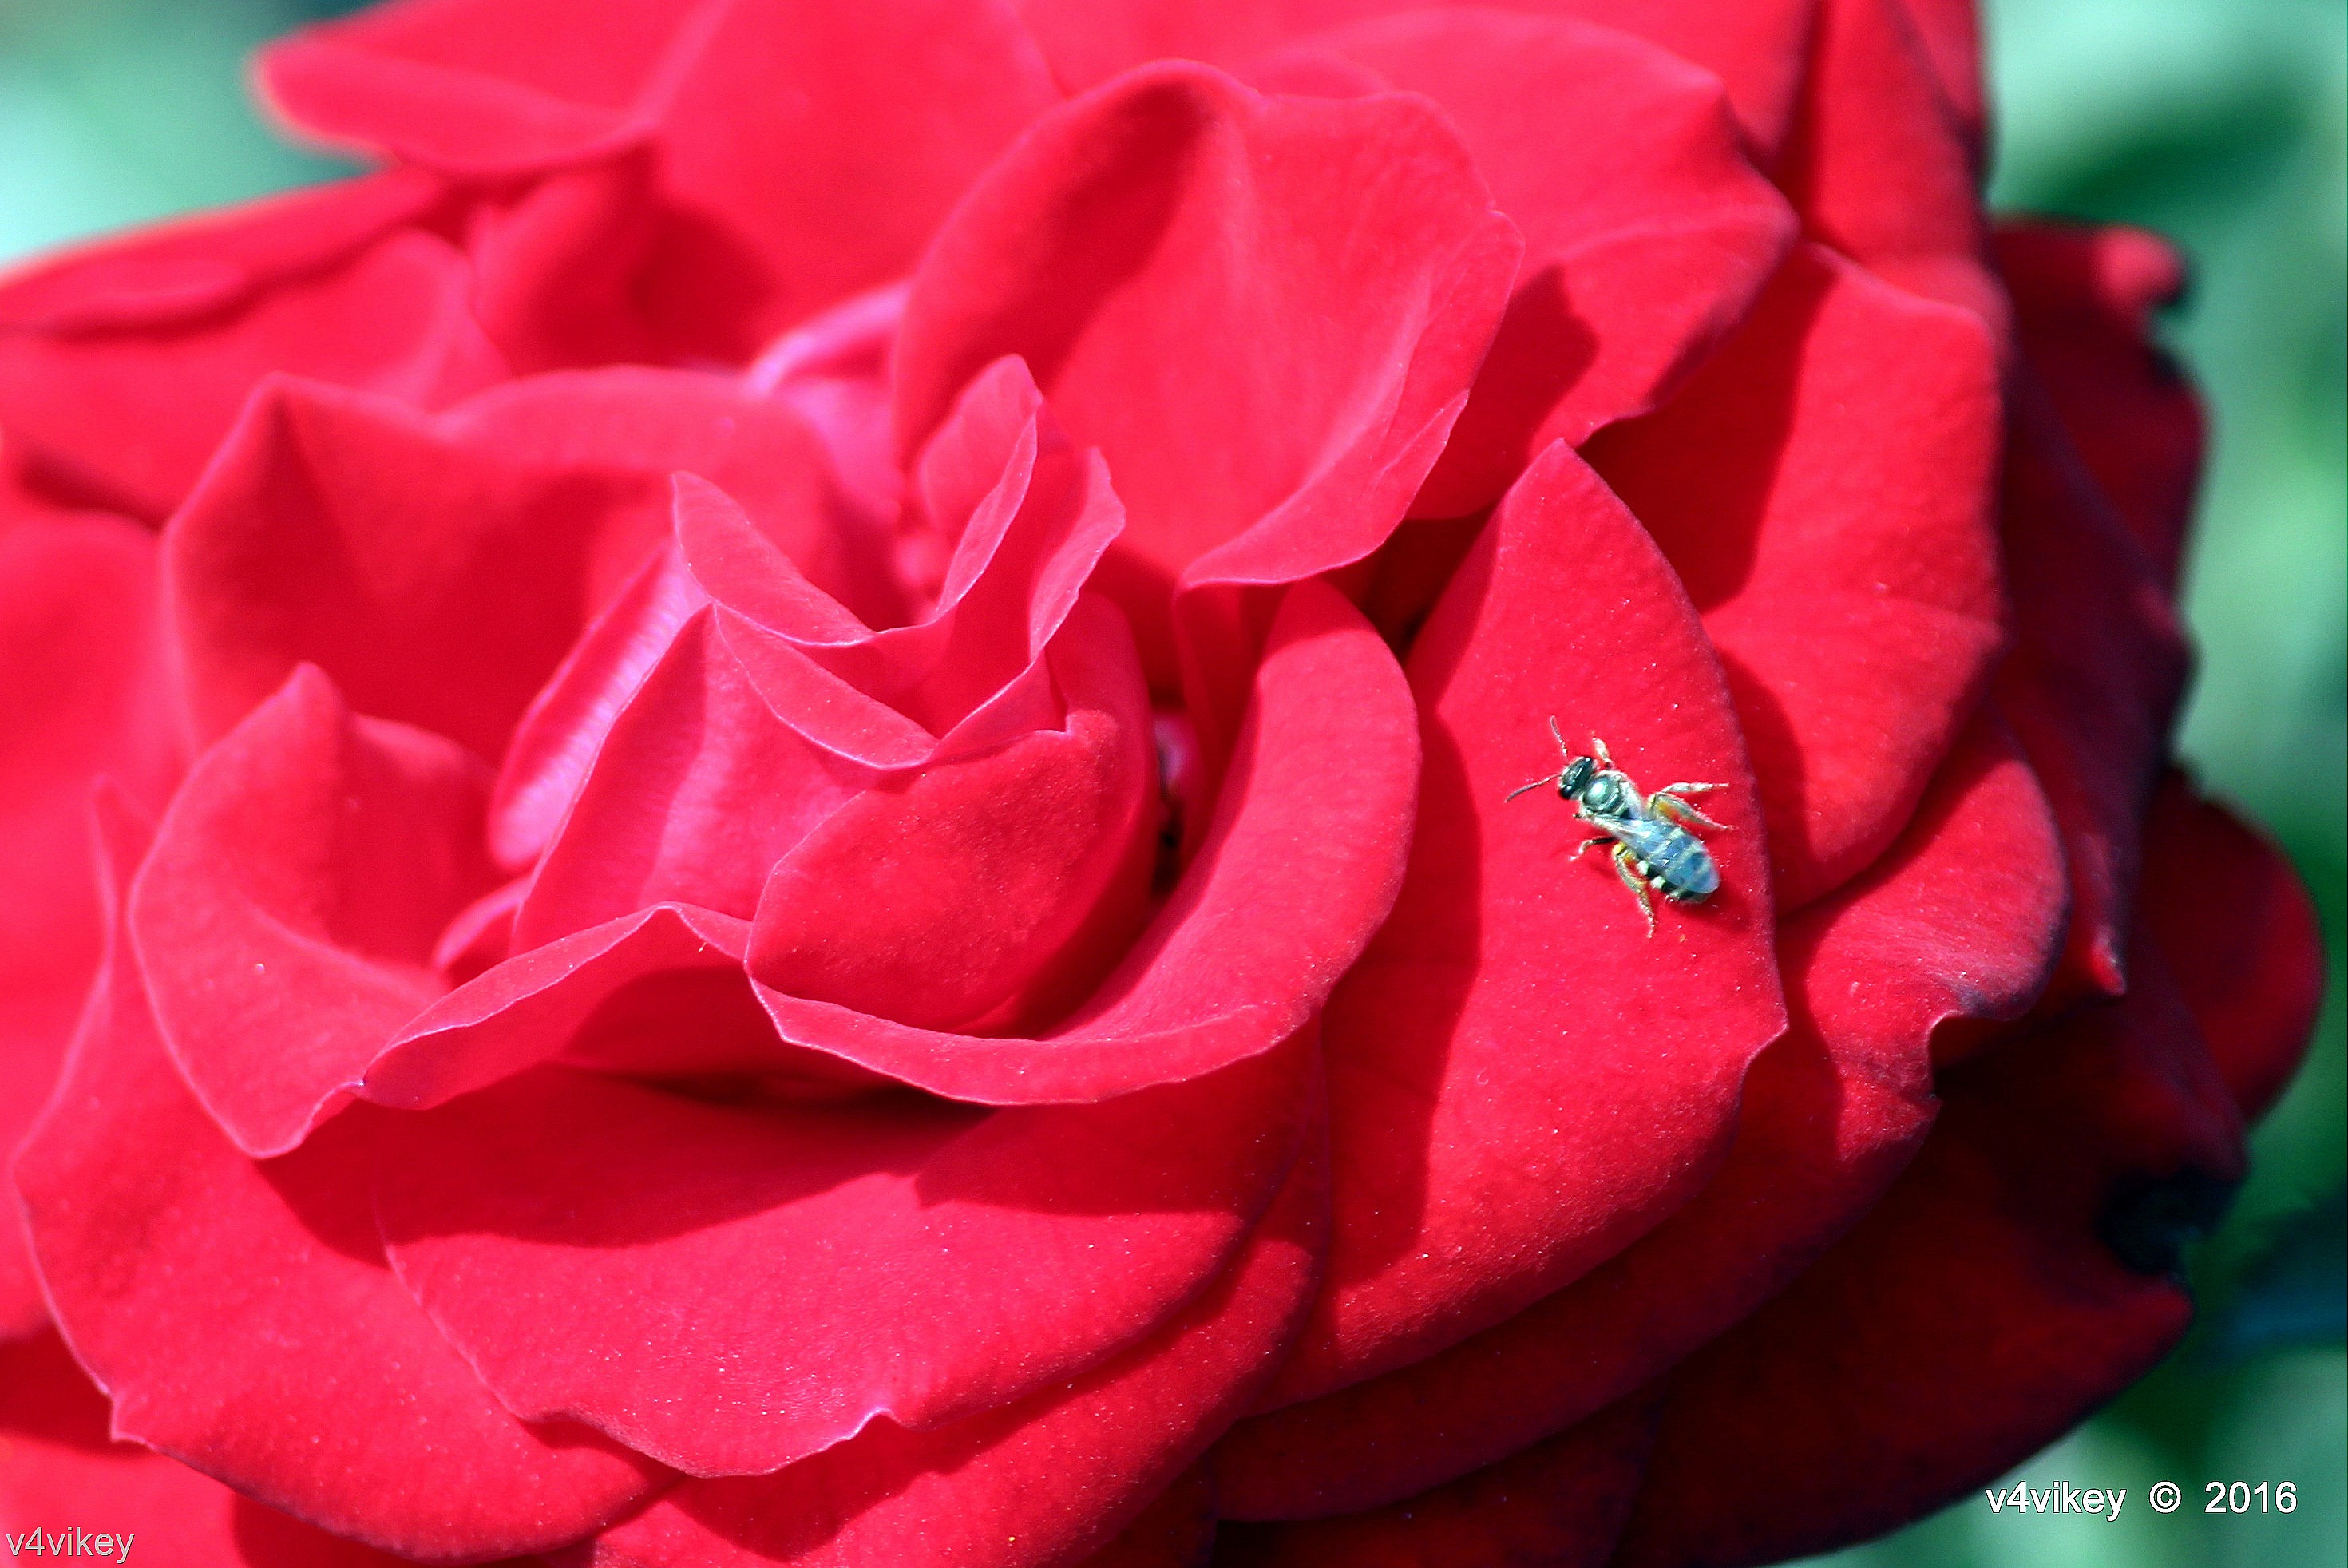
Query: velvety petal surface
pixel 804 150
pixel 1839 539
pixel 2084 300
pixel 1210 982
pixel 1522 1081
pixel 1151 251
pixel 1040 1480
pixel 1562 1501
pixel 82 696
pixel 1647 233
pixel 1961 921
pixel 967 1258
pixel 322 1389
pixel 1883 160
pixel 123 366
pixel 61 1468
pixel 2239 933
pixel 2093 683
pixel 2021 1272
pixel 1756 48
pixel 285 920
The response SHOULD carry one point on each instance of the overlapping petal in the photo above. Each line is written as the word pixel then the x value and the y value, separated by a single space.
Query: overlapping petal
pixel 2018 1274
pixel 1839 539
pixel 324 1391
pixel 1962 922
pixel 802 151
pixel 1149 251
pixel 81 696
pixel 1522 1082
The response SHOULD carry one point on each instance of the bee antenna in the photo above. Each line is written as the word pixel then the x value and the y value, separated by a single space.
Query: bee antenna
pixel 1522 788
pixel 1563 750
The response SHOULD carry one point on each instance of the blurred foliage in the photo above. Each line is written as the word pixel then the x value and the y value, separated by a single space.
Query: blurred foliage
pixel 2218 122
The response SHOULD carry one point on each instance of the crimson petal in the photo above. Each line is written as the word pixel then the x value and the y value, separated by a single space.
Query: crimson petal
pixel 286 918
pixel 1041 1480
pixel 1621 167
pixel 1147 250
pixel 1522 1082
pixel 1314 819
pixel 681 1307
pixel 1838 540
pixel 2021 1272
pixel 322 1389
pixel 1961 921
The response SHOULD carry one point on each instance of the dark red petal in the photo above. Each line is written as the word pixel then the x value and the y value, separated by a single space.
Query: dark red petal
pixel 2083 302
pixel 1041 1480
pixel 82 694
pixel 1522 1082
pixel 2020 1274
pixel 1561 1501
pixel 1883 164
pixel 1647 234
pixel 2092 683
pixel 2238 930
pixel 1758 47
pixel 321 1389
pixel 991 893
pixel 1961 921
pixel 1019 520
pixel 765 1281
pixel 287 919
pixel 60 1468
pixel 697 791
pixel 436 578
pixel 1177 1531
pixel 1837 537
pixel 805 150
pixel 1150 252
pixel 121 369
pixel 1312 821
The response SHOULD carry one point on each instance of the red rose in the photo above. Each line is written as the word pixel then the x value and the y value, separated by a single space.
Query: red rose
pixel 802 746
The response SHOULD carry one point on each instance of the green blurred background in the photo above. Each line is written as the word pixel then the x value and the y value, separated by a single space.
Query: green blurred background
pixel 2218 122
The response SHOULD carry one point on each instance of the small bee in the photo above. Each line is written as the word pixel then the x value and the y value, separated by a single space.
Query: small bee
pixel 1650 846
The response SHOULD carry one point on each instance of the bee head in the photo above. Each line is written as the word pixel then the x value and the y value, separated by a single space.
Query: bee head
pixel 1577 774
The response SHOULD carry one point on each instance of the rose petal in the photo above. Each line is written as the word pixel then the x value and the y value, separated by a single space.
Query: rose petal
pixel 2095 677
pixel 81 696
pixel 1512 1106
pixel 1961 921
pixel 805 150
pixel 1620 165
pixel 1211 981
pixel 2239 933
pixel 322 1390
pixel 356 535
pixel 1884 165
pixel 2020 1274
pixel 1027 518
pixel 992 892
pixel 766 1281
pixel 1838 538
pixel 695 795
pixel 286 918
pixel 1564 1500
pixel 1041 1480
pixel 2084 300
pixel 1755 46
pixel 58 1466
pixel 1149 251
pixel 1176 1530
pixel 123 367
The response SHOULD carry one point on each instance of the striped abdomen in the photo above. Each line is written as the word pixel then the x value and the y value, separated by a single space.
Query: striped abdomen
pixel 1672 860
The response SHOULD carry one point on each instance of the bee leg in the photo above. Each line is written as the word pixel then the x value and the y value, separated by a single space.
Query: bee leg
pixel 1636 883
pixel 1598 749
pixel 1667 803
pixel 1599 839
